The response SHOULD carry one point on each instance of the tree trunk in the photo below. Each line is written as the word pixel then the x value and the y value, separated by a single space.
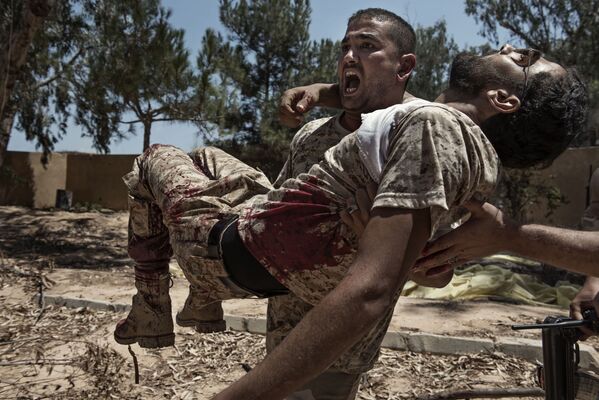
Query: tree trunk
pixel 147 132
pixel 12 57
pixel 5 128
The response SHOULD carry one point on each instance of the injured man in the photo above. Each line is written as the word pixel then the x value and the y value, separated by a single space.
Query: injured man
pixel 234 236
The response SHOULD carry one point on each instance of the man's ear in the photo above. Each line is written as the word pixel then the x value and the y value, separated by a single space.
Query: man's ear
pixel 503 102
pixel 406 65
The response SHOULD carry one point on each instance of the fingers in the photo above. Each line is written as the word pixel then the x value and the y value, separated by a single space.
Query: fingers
pixel 364 204
pixel 289 118
pixel 444 257
pixel 358 223
pixel 372 188
pixel 441 269
pixel 288 113
pixel 576 308
pixel 474 205
pixel 306 103
pixel 347 220
pixel 442 243
pixel 353 221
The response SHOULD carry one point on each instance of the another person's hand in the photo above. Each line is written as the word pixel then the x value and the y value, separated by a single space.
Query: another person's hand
pixel 357 218
pixel 436 277
pixel 588 297
pixel 295 102
pixel 485 233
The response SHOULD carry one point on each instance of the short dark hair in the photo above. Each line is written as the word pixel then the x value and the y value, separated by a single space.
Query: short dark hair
pixel 401 32
pixel 552 112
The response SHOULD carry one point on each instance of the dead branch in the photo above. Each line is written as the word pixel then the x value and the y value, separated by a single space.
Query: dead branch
pixel 486 393
pixel 38 362
pixel 135 364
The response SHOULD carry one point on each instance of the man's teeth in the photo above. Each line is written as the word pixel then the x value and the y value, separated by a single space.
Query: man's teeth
pixel 352 82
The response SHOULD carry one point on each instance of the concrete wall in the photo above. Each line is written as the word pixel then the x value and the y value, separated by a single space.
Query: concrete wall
pixel 16 183
pixel 97 179
pixel 30 183
pixel 47 179
pixel 93 179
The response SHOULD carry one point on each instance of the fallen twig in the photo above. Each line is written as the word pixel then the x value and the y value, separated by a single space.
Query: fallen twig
pixel 486 393
pixel 34 362
pixel 135 364
pixel 41 301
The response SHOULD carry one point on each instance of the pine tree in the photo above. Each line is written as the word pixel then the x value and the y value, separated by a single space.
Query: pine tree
pixel 267 50
pixel 136 72
pixel 434 53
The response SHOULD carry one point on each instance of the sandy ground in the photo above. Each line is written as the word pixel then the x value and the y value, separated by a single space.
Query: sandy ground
pixel 55 352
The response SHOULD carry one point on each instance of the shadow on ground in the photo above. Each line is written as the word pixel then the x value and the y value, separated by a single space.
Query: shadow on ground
pixel 65 239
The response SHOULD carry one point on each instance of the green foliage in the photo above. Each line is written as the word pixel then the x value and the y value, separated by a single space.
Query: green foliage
pixel 136 64
pixel 241 78
pixel 435 52
pixel 565 30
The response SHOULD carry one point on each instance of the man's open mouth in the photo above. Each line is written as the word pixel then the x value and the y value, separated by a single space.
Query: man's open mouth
pixel 351 82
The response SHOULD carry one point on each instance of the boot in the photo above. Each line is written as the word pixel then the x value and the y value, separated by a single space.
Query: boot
pixel 205 318
pixel 149 322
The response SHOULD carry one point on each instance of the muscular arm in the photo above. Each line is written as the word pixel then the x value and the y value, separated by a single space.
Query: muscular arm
pixel 488 231
pixel 390 244
pixel 573 250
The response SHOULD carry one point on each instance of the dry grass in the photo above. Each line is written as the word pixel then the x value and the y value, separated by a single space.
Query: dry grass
pixel 65 354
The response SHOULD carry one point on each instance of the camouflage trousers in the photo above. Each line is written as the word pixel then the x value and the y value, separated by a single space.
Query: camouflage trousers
pixel 174 201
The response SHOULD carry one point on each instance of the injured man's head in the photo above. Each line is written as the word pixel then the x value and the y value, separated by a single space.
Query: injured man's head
pixel 538 105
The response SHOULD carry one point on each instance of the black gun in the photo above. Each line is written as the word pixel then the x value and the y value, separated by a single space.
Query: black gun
pixel 561 353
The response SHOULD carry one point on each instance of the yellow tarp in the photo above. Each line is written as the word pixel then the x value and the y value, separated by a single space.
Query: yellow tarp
pixel 492 280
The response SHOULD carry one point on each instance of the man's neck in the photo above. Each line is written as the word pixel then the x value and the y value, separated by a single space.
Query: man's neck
pixel 473 107
pixel 350 120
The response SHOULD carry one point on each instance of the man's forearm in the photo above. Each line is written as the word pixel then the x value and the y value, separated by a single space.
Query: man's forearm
pixel 316 342
pixel 329 95
pixel 346 313
pixel 576 251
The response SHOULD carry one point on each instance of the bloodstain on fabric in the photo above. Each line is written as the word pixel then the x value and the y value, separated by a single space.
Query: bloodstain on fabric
pixel 299 232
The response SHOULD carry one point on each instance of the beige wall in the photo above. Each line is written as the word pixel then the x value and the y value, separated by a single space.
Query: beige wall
pixel 30 183
pixel 47 179
pixel 97 179
pixel 16 185
pixel 93 179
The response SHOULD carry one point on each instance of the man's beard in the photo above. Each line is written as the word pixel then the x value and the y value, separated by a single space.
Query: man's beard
pixel 470 74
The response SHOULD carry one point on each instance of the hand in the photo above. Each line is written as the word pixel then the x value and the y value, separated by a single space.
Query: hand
pixel 357 219
pixel 485 233
pixel 296 102
pixel 588 297
pixel 436 277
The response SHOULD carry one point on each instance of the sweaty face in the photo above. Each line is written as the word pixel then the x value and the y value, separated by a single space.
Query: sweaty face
pixel 367 67
pixel 508 67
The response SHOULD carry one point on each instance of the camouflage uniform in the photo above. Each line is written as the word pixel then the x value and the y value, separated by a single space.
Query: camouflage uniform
pixel 189 193
pixel 284 312
pixel 437 160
